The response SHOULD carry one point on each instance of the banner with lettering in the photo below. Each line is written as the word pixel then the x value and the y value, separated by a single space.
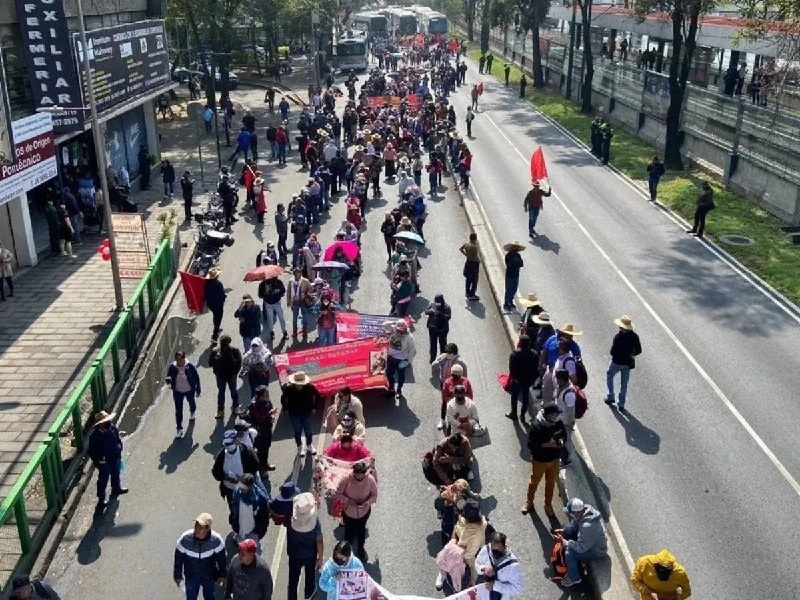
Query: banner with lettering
pixel 378 101
pixel 360 365
pixel 358 585
pixel 351 326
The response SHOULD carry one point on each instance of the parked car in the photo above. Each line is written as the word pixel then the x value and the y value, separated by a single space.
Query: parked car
pixel 182 74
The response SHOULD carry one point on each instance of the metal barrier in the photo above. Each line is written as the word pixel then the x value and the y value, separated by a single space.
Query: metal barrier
pixel 36 498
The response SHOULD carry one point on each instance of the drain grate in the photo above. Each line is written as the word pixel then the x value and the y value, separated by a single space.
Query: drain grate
pixel 737 240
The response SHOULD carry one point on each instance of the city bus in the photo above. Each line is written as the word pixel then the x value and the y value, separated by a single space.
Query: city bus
pixel 371 22
pixel 401 21
pixel 433 22
pixel 351 52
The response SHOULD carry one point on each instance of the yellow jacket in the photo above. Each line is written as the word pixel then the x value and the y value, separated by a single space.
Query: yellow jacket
pixel 645 581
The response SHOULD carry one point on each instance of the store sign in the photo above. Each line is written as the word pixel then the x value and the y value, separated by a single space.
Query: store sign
pixel 54 79
pixel 35 150
pixel 133 248
pixel 125 60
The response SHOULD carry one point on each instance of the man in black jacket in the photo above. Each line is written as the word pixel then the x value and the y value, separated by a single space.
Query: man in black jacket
pixel 271 292
pixel 624 348
pixel 523 371
pixel 226 362
pixel 232 462
pixel 199 559
pixel 546 437
pixel 261 415
pixel 105 450
pixel 299 399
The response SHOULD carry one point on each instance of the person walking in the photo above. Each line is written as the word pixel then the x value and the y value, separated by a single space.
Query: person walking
pixel 523 373
pixel 565 400
pixel 584 538
pixel 498 570
pixel 507 72
pixel 471 266
pixel 226 362
pixel 168 178
pixel 257 365
pixel 249 315
pixel 25 588
pixel 655 171
pixel 533 205
pixel 199 560
pixel 473 94
pixel 248 576
pixel 523 83
pixel 298 298
pixel 66 231
pixel 271 292
pixel 208 117
pixel 232 463
pixel 143 158
pixel 184 380
pixel 468 119
pixel 389 229
pixel 215 300
pixel 304 545
pixel 514 264
pixel 401 353
pixel 249 516
pixel 105 452
pixel 439 314
pixel 624 350
pixel 282 229
pixel 357 492
pixel 341 560
pixel 242 145
pixel 546 437
pixel 660 577
pixel 187 189
pixel 6 273
pixel 53 227
pixel 300 399
pixel 261 415
pixel 704 205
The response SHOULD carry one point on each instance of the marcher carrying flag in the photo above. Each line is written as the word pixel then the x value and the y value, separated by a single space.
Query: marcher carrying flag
pixel 540 189
pixel 538 167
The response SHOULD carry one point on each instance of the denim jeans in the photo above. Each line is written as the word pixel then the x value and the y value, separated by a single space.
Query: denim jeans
pixel 247 342
pixel 393 370
pixel 533 216
pixel 168 188
pixel 624 375
pixel 273 147
pixel 302 425
pixel 326 337
pixel 273 312
pixel 512 284
pixel 231 384
pixel 572 558
pixel 104 473
pixel 77 227
pixel 299 311
pixel 178 398
pixel 193 588
pixel 282 154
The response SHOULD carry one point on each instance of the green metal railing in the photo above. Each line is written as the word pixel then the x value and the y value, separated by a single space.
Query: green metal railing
pixel 38 495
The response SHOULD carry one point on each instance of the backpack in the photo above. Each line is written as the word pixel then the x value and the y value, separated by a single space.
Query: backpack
pixel 557 561
pixel 580 372
pixel 581 402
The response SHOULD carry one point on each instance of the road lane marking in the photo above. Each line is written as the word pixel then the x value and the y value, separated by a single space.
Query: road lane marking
pixel 692 360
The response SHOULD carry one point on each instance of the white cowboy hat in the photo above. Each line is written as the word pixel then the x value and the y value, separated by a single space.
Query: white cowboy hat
pixel 569 329
pixel 530 300
pixel 299 378
pixel 304 513
pixel 625 322
pixel 214 273
pixel 104 417
pixel 542 318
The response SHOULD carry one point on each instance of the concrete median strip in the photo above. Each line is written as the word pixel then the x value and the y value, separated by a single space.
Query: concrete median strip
pixel 609 577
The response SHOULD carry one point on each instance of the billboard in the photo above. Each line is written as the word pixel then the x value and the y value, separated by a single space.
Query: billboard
pixel 35 157
pixel 54 79
pixel 125 60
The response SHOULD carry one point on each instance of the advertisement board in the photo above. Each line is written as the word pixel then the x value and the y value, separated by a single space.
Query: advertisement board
pixel 35 150
pixel 125 60
pixel 133 249
pixel 351 326
pixel 51 67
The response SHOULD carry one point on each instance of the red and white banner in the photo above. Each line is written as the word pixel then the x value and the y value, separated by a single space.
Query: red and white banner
pixel 351 326
pixel 360 365
pixel 329 472
pixel 35 160
pixel 358 585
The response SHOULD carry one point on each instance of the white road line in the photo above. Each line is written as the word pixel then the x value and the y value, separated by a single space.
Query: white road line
pixel 720 394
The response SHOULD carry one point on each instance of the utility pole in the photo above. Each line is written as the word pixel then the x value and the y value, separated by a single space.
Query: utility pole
pixel 317 35
pixel 100 153
pixel 572 27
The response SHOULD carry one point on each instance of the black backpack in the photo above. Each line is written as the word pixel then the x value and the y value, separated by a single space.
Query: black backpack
pixel 580 372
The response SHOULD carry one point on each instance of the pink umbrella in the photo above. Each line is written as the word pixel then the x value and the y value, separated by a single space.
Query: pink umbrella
pixel 350 250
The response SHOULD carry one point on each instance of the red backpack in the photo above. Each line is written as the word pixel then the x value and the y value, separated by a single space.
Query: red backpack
pixel 557 561
pixel 581 402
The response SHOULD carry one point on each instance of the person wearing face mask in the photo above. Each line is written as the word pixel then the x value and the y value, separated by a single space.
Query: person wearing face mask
pixel 400 355
pixel 456 378
pixel 660 577
pixel 439 314
pixel 498 571
pixel 343 403
pixel 249 517
pixel 350 425
pixel 261 414
pixel 249 315
pixel 182 377
pixel 462 413
pixel 326 322
pixel 357 492
pixel 546 437
pixel 522 371
pixel 231 464
pixel 256 365
pixel 341 560
pixel 440 368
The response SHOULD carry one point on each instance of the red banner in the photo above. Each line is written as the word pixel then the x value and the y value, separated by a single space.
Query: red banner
pixel 378 101
pixel 414 100
pixel 360 365
pixel 538 168
pixel 194 288
pixel 351 326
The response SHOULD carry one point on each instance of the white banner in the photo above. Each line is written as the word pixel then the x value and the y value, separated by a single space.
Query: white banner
pixel 357 585
pixel 35 157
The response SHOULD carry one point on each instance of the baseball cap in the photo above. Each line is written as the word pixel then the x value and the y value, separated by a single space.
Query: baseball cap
pixel 204 519
pixel 573 506
pixel 247 545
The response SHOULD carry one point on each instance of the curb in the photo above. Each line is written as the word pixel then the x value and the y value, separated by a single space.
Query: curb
pixel 609 577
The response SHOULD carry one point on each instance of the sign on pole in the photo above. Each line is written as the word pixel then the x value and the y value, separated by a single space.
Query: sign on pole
pixel 133 248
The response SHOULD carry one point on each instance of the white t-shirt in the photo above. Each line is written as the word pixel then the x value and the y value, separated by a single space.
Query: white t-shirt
pixel 567 362
pixel 565 399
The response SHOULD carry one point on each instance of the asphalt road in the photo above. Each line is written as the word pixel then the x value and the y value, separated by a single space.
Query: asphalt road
pixel 706 463
pixel 170 480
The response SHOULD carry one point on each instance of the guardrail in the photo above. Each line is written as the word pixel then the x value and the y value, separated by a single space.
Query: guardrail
pixel 38 495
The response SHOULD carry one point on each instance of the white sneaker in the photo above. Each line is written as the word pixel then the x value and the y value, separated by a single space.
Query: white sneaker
pixel 301 450
pixel 192 416
pixel 440 425
pixel 439 582
pixel 179 434
pixel 312 449
pixel 470 476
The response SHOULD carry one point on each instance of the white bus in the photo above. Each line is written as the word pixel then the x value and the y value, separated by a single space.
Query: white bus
pixel 401 21
pixel 433 22
pixel 351 52
pixel 375 24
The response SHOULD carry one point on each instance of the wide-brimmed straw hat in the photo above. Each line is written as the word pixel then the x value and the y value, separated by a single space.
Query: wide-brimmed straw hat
pixel 530 300
pixel 214 273
pixel 625 322
pixel 405 221
pixel 515 245
pixel 542 318
pixel 569 329
pixel 299 378
pixel 104 417
pixel 359 148
pixel 304 513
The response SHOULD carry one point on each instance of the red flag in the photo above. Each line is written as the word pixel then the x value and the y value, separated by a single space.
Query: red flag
pixel 194 287
pixel 480 89
pixel 538 168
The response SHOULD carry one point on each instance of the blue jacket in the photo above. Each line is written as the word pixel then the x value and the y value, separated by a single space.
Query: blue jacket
pixel 105 445
pixel 327 577
pixel 199 560
pixel 215 294
pixel 243 140
pixel 249 320
pixel 191 375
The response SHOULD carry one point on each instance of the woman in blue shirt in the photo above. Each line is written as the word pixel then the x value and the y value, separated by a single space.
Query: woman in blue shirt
pixel 341 560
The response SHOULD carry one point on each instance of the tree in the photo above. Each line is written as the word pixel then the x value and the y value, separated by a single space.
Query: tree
pixel 486 24
pixel 585 7
pixel 470 8
pixel 684 16
pixel 532 15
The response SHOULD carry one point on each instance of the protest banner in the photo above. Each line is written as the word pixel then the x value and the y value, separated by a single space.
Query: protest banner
pixel 358 585
pixel 329 472
pixel 360 365
pixel 351 326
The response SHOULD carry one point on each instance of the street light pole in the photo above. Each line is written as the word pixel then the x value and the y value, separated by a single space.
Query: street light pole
pixel 100 153
pixel 571 48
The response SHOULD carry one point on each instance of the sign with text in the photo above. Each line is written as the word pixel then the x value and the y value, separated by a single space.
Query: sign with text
pixel 35 152
pixel 51 69
pixel 133 248
pixel 355 584
pixel 351 326
pixel 125 60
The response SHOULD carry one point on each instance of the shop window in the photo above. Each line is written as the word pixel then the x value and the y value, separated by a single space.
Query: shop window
pixel 20 96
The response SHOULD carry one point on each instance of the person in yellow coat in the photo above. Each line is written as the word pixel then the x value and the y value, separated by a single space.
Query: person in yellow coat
pixel 660 577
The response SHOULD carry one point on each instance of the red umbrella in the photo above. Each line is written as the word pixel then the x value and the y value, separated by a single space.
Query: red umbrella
pixel 350 250
pixel 263 272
